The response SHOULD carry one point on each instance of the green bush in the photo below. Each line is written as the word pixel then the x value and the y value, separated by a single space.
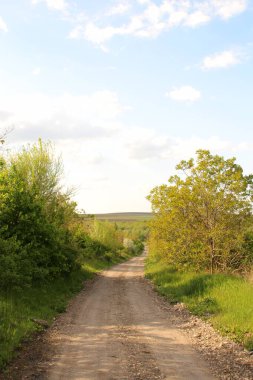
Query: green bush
pixel 35 216
pixel 14 263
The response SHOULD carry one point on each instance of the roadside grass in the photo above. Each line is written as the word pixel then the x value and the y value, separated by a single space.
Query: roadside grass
pixel 226 301
pixel 19 307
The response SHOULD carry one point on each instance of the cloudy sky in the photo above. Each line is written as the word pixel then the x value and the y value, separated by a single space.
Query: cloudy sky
pixel 127 88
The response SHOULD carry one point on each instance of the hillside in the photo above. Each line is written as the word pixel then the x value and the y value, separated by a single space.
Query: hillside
pixel 125 216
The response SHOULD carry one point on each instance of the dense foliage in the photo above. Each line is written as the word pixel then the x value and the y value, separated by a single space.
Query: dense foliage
pixel 41 235
pixel 203 217
pixel 35 239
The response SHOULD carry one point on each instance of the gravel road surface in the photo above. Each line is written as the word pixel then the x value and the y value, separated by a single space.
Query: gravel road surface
pixel 117 330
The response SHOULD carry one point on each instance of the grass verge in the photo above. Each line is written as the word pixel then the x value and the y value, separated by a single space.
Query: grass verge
pixel 18 308
pixel 225 300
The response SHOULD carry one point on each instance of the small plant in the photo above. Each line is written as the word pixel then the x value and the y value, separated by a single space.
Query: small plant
pixel 206 307
pixel 248 341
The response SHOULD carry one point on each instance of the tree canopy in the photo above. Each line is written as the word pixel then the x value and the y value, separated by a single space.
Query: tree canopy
pixel 201 216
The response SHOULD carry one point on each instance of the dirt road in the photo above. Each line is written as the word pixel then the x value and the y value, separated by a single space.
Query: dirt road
pixel 117 330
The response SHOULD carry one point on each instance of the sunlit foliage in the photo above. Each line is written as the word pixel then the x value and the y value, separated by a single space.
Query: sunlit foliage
pixel 202 216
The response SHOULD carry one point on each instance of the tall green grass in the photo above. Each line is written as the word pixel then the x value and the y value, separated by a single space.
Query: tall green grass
pixel 18 308
pixel 225 300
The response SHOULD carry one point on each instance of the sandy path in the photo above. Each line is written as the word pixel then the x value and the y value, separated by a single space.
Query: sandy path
pixel 117 330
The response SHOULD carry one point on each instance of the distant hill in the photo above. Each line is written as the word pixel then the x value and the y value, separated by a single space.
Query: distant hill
pixel 125 216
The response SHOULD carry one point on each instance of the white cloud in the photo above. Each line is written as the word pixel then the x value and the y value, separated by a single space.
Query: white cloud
pixel 156 147
pixel 95 159
pixel 76 32
pixel 3 25
pixel 136 156
pixel 87 132
pixel 154 19
pixel 61 117
pixel 58 5
pixel 36 71
pixel 119 9
pixel 144 2
pixel 222 60
pixel 134 161
pixel 4 115
pixel 184 94
pixel 100 35
pixel 196 18
pixel 149 147
pixel 229 8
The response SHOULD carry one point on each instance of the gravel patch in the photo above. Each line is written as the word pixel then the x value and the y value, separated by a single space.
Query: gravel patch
pixel 227 360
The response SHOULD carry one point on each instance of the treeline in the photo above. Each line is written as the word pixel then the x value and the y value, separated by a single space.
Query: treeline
pixel 203 216
pixel 42 237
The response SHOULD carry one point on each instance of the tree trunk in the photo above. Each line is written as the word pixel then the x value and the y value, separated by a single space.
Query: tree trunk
pixel 212 255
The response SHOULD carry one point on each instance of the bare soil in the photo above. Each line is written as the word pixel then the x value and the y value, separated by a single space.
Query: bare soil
pixel 119 328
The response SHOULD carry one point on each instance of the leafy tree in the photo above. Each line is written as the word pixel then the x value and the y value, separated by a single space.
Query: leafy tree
pixel 201 216
pixel 35 215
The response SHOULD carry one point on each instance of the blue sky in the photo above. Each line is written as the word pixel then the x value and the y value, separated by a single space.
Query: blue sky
pixel 127 88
